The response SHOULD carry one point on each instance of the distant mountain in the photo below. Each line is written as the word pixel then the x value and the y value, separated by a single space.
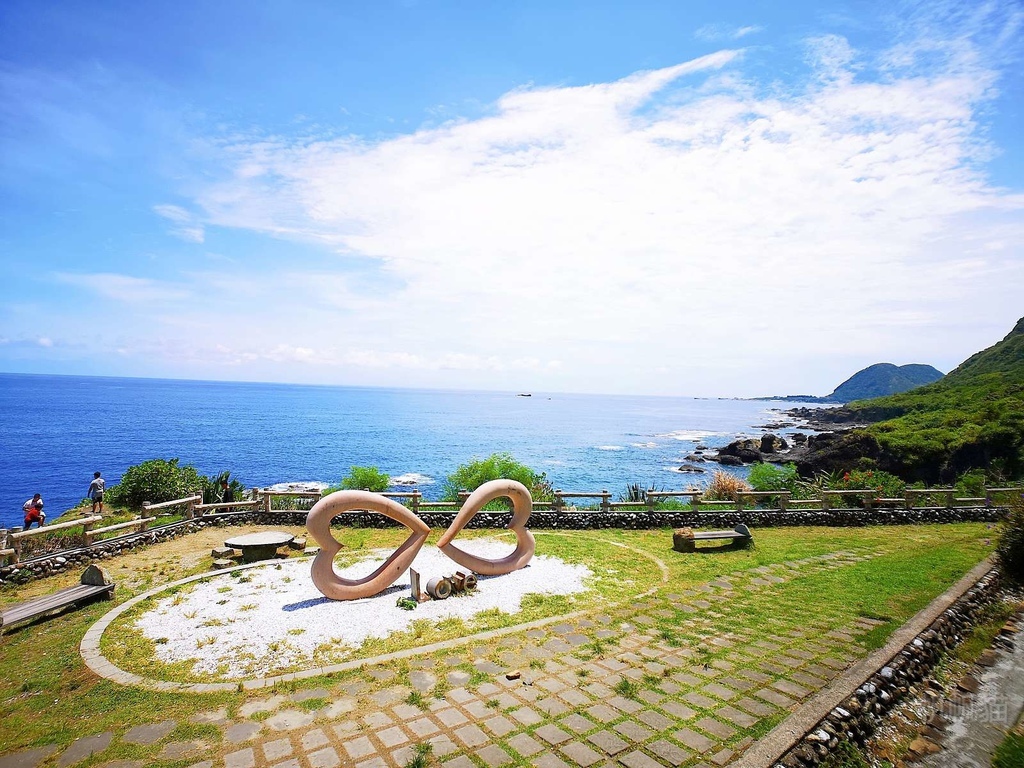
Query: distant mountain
pixel 972 418
pixel 883 379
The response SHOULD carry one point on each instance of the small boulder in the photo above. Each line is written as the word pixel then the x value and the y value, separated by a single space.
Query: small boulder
pixel 220 553
pixel 94 576
pixel 691 469
pixel 730 461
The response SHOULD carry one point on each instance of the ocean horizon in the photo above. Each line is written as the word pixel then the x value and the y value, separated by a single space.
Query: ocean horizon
pixel 59 429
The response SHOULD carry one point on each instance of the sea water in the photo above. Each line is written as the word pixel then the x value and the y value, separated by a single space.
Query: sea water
pixel 55 431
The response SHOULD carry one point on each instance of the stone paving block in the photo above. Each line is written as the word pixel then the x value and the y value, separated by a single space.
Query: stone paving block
pixel 552 707
pixel 213 717
pixel 360 747
pixel 552 734
pixel 774 697
pixel 580 754
pixel 313 739
pixel 377 719
pixel 791 689
pixel 268 704
pixel 277 749
pixel 598 690
pixel 28 758
pixel 687 679
pixel 392 737
pixel 406 711
pixel 656 720
pixel 716 728
pixel 677 710
pixel 669 687
pixel 719 690
pixel 477 709
pixel 607 742
pixel 551 684
pixel 603 713
pixel 699 700
pixel 324 758
pixel 526 716
pixel 695 741
pixel 527 693
pixel 179 750
pixel 346 729
pixel 549 760
pixel 578 723
pixel 243 758
pixel 84 747
pixel 525 744
pixel 625 705
pixel 669 752
pixel 722 757
pixel 638 759
pixel 460 695
pixel 809 680
pixel 651 697
pixel 634 731
pixel 612 665
pixel 736 717
pixel 442 745
pixel 574 697
pixel 290 719
pixel 756 675
pixel 462 761
pixel 423 727
pixel 737 683
pixel 422 681
pixel 499 725
pixel 338 707
pixel 373 762
pixel 492 756
pixel 471 735
pixel 150 733
pixel 451 717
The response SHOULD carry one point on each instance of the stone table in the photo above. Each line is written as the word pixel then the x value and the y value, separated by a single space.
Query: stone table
pixel 259 546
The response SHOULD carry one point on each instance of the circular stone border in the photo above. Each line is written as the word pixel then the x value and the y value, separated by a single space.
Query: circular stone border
pixel 98 663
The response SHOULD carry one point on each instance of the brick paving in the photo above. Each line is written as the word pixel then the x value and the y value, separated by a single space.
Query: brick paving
pixel 666 681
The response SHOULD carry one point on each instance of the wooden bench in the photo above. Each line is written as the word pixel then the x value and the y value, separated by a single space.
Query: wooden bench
pixel 94 583
pixel 684 540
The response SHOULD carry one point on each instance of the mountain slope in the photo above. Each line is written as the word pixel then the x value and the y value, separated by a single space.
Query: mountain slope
pixel 883 379
pixel 971 418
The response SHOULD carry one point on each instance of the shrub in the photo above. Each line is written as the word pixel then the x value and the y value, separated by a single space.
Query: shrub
pixel 366 479
pixel 769 477
pixel 723 487
pixel 495 467
pixel 886 486
pixel 971 484
pixel 155 481
pixel 212 491
pixel 1010 548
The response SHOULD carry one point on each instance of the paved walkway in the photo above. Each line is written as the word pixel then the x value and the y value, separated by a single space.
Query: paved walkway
pixel 669 680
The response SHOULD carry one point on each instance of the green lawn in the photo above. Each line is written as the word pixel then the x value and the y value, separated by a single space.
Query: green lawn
pixel 48 696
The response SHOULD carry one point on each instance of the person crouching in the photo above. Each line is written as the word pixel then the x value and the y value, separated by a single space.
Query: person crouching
pixel 34 511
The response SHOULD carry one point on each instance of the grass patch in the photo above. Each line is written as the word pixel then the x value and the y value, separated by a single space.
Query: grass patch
pixel 627 688
pixel 1010 753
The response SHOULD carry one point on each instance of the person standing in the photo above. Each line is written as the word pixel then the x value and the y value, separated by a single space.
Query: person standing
pixel 227 494
pixel 96 491
pixel 34 511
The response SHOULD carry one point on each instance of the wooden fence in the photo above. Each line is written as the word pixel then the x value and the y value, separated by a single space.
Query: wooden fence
pixel 11 541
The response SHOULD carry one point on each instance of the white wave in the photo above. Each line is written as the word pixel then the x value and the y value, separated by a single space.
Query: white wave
pixel 690 435
pixel 412 478
pixel 302 486
pixel 609 447
pixel 644 445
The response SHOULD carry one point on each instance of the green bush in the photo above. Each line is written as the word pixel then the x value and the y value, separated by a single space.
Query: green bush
pixel 155 481
pixel 1010 548
pixel 885 485
pixel 213 492
pixel 495 467
pixel 366 479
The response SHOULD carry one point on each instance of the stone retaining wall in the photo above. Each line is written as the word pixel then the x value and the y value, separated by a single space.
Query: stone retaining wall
pixel 858 717
pixel 57 562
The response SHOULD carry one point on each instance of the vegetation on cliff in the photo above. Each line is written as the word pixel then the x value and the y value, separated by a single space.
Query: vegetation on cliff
pixel 883 379
pixel 972 418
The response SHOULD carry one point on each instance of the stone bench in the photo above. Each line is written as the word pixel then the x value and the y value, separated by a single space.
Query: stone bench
pixel 685 540
pixel 94 583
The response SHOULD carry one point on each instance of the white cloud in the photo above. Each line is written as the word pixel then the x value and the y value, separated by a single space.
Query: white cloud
pixel 186 227
pixel 126 288
pixel 44 341
pixel 718 32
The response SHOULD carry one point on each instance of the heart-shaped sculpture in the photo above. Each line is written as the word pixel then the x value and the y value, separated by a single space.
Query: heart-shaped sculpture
pixel 522 505
pixel 318 523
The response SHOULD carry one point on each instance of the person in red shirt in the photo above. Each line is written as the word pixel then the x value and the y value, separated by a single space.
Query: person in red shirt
pixel 34 511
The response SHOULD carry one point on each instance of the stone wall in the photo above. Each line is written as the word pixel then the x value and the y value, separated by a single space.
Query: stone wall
pixel 858 717
pixel 42 566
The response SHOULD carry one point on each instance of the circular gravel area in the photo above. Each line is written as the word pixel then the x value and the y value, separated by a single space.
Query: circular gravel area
pixel 262 620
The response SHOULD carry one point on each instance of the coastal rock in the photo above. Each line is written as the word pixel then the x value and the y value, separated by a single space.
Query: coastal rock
pixel 694 457
pixel 773 444
pixel 730 461
pixel 747 451
pixel 691 468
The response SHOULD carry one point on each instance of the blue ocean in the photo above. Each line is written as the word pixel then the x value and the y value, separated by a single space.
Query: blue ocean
pixel 55 431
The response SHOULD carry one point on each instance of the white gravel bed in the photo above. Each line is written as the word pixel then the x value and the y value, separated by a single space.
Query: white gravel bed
pixel 265 619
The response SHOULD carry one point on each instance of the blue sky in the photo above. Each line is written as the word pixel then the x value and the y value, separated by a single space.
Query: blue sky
pixel 666 198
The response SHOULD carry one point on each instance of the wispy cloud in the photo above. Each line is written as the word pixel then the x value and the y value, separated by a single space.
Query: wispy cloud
pixel 718 32
pixel 185 224
pixel 126 288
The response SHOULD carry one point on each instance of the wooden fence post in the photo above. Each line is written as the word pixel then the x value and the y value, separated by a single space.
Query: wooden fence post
pixel 950 498
pixel 739 503
pixel 86 527
pixel 606 501
pixel 824 501
pixel 145 509
pixel 908 498
pixel 416 495
pixel 266 503
pixel 783 501
pixel 558 503
pixel 651 501
pixel 988 503
pixel 17 544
